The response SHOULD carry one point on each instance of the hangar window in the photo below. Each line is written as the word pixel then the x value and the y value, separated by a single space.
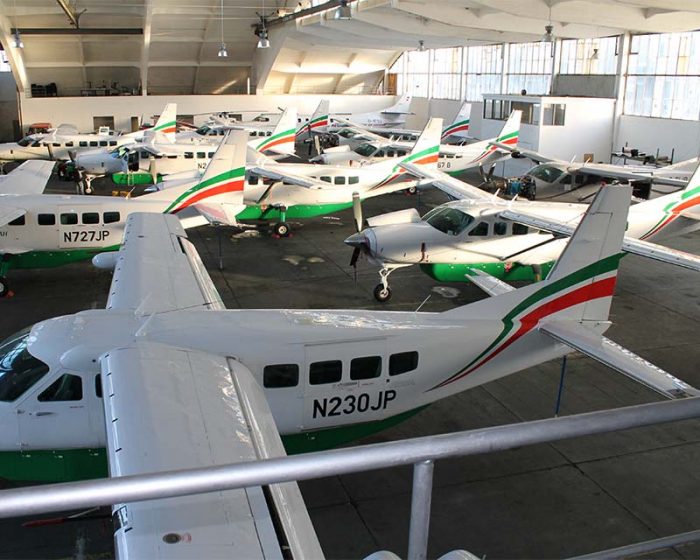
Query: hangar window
pixel 529 67
pixel 68 387
pixel 281 375
pixel 588 56
pixel 69 219
pixel 325 372
pixel 403 362
pixel 367 367
pixel 17 221
pixel 91 218
pixel 111 217
pixel 19 370
pixel 46 219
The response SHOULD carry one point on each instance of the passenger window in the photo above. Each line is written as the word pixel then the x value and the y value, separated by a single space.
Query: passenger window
pixel 210 155
pixel 69 144
pixel 82 144
pixel 91 218
pixel 47 219
pixel 500 228
pixel 112 142
pixel 281 375
pixel 19 370
pixel 110 217
pixel 365 368
pixel 98 386
pixel 17 221
pixel 66 388
pixel 171 157
pixel 339 180
pixel 481 229
pixel 253 180
pixel 326 179
pixel 401 153
pixel 390 153
pixel 403 362
pixel 56 144
pixel 93 143
pixel 269 133
pixel 201 155
pixel 69 219
pixel 325 372
pixel 353 180
pixel 519 229
pixel 103 143
pixel 189 155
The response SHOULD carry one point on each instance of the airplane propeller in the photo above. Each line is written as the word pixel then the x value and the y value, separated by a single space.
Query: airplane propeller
pixel 486 177
pixel 153 170
pixel 357 211
pixel 357 241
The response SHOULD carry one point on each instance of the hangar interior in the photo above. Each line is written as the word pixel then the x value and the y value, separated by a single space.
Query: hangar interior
pixel 602 91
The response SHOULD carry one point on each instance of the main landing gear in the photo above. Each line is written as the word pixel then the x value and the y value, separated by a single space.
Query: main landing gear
pixel 282 228
pixel 382 291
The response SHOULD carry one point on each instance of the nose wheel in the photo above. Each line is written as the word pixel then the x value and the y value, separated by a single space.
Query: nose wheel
pixel 382 291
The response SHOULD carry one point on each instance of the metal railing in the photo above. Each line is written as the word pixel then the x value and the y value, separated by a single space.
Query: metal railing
pixel 421 452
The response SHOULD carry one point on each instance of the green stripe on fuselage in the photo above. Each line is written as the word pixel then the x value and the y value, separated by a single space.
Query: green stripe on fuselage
pixel 443 272
pixel 50 259
pixel 293 212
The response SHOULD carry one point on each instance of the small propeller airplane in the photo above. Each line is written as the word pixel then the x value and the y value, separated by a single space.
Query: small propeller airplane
pixel 552 176
pixel 42 230
pixel 165 367
pixel 391 116
pixel 64 142
pixel 511 240
pixel 454 159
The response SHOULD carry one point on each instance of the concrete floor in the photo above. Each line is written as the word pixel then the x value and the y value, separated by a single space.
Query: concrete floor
pixel 547 501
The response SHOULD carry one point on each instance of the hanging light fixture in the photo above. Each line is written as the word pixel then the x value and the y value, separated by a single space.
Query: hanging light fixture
pixel 343 11
pixel 263 41
pixel 548 37
pixel 223 53
pixel 18 44
pixel 421 46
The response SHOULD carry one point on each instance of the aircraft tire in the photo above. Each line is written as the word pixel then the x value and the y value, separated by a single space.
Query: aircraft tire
pixel 282 229
pixel 382 294
pixel 4 287
pixel 412 190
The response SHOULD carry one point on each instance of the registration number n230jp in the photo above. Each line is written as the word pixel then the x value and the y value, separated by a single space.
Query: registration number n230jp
pixel 337 406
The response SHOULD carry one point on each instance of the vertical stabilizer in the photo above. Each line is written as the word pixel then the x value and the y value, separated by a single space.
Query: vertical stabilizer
pixel 283 136
pixel 166 126
pixel 460 126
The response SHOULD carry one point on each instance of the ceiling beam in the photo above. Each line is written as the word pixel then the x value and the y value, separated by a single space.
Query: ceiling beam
pixel 80 31
pixel 146 45
pixel 14 55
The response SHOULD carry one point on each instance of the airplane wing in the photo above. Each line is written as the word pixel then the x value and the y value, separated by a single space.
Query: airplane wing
pixel 629 245
pixel 291 178
pixel 361 133
pixel 618 358
pixel 29 178
pixel 9 213
pixel 158 269
pixel 451 186
pixel 618 172
pixel 168 409
pixel 518 152
pixel 488 283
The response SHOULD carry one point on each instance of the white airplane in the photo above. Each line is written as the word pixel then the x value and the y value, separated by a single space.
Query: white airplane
pixel 552 176
pixel 42 230
pixel 391 116
pixel 510 240
pixel 161 155
pixel 65 142
pixel 454 159
pixel 165 367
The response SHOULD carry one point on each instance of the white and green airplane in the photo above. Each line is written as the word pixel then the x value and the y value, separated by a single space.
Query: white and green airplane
pixel 511 240
pixel 160 376
pixel 44 230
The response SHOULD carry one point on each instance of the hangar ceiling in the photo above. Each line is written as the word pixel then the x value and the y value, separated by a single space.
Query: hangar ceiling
pixel 175 51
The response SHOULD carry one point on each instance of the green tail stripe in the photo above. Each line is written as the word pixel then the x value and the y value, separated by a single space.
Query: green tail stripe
pixel 220 178
pixel 290 132
pixel 312 121
pixel 166 125
pixel 421 154
pixel 508 136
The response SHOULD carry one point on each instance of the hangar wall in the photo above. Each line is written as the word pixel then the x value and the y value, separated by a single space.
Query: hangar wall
pixel 8 106
pixel 81 110
pixel 648 134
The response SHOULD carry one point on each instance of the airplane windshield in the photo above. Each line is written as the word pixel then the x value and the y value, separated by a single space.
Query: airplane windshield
pixel 546 173
pixel 24 142
pixel 366 150
pixel 448 220
pixel 346 133
pixel 19 370
pixel 260 118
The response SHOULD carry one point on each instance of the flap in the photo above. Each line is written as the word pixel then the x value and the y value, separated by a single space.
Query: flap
pixel 29 178
pixel 618 358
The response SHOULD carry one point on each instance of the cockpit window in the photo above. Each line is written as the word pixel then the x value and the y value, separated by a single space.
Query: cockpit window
pixel 366 150
pixel 448 220
pixel 203 130
pixel 546 173
pixel 346 133
pixel 24 142
pixel 19 370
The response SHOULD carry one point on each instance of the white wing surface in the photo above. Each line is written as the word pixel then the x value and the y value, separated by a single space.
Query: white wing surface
pixel 29 178
pixel 170 409
pixel 449 185
pixel 158 269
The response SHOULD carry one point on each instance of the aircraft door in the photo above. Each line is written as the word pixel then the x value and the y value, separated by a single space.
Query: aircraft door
pixel 56 414
pixel 346 382
pixel 133 160
pixel 80 227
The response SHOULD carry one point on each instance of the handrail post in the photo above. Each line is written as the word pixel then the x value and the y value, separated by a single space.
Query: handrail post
pixel 420 510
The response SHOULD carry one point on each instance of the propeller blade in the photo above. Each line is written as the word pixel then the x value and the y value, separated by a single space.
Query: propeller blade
pixel 482 173
pixel 153 170
pixel 357 211
pixel 355 255
pixel 491 170
pixel 71 155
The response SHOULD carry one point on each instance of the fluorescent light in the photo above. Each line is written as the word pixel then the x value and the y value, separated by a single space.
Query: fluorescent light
pixel 223 53
pixel 343 11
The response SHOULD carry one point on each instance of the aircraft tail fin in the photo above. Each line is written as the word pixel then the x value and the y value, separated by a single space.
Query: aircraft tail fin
pixel 511 130
pixel 320 119
pixel 460 126
pixel 402 106
pixel 166 126
pixel 283 136
pixel 427 148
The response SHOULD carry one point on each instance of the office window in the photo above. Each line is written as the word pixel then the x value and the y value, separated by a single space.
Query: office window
pixel 529 68
pixel 554 114
pixel 588 56
pixel 482 71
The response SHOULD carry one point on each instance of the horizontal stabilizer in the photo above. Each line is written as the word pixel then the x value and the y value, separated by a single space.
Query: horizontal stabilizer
pixel 449 185
pixel 691 213
pixel 489 284
pixel 618 358
pixel 629 245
